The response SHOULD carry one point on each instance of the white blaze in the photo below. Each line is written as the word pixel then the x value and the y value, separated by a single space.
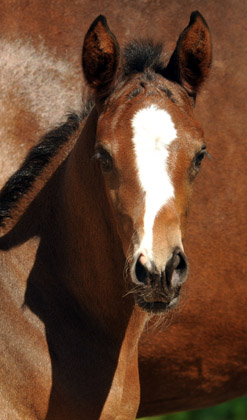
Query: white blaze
pixel 153 131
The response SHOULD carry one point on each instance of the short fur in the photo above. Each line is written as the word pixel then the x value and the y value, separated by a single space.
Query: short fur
pixel 200 360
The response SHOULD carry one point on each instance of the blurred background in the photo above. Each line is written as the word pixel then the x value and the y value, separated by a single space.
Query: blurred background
pixel 231 410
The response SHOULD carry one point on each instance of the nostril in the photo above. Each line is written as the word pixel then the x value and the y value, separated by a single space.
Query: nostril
pixel 177 268
pixel 180 262
pixel 140 270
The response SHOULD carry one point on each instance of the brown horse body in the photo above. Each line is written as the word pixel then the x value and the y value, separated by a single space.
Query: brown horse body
pixel 50 343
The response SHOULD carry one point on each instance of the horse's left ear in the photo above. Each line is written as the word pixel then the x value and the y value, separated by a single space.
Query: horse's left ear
pixel 100 56
pixel 190 63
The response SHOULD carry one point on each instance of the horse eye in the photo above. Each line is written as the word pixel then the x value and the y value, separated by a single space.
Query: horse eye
pixel 199 157
pixel 104 158
pixel 197 161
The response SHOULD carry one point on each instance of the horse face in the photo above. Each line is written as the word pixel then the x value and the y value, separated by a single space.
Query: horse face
pixel 150 147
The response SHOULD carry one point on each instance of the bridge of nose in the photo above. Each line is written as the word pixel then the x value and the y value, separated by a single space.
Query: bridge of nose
pixel 166 239
pixel 166 236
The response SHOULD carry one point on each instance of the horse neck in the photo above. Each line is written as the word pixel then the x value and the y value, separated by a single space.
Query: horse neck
pixel 93 262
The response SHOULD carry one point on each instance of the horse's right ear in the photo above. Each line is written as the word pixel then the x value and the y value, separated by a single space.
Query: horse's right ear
pixel 100 56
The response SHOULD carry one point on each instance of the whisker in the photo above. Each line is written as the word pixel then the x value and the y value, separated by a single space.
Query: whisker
pixel 129 256
pixel 133 290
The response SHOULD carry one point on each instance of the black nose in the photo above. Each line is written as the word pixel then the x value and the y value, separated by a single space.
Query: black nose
pixel 174 275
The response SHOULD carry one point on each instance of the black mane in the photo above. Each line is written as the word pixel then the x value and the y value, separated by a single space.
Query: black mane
pixel 36 161
pixel 139 56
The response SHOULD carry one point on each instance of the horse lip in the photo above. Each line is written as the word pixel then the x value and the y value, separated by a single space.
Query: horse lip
pixel 151 299
pixel 156 306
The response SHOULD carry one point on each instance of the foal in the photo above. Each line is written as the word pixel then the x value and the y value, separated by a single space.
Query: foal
pixel 105 192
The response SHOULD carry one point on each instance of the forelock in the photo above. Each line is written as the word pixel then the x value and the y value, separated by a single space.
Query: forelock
pixel 141 56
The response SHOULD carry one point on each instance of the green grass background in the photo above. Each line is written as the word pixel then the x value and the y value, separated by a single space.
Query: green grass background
pixel 231 410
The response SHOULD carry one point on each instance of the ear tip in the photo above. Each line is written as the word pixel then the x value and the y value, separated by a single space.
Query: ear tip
pixel 194 16
pixel 99 19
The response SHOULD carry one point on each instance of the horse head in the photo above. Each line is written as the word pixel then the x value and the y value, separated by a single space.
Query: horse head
pixel 149 147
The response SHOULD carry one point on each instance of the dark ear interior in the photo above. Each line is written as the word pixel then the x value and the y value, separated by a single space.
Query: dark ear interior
pixel 100 56
pixel 190 63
